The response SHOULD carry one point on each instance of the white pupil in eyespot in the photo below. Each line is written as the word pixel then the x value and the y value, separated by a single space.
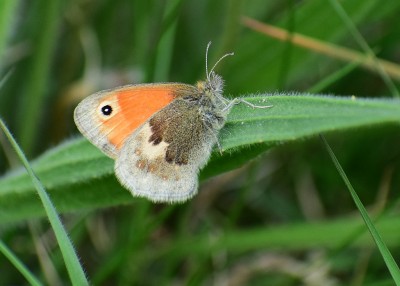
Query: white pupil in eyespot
pixel 106 110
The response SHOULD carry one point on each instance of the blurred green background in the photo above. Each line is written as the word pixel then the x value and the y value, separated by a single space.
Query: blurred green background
pixel 287 210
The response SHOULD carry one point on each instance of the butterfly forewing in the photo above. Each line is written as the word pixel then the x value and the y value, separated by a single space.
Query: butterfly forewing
pixel 109 117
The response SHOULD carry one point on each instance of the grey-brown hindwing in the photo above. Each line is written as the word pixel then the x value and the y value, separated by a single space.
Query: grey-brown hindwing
pixel 162 158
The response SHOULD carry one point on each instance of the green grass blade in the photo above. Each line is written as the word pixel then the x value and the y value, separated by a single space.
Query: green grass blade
pixel 74 268
pixel 165 46
pixel 387 256
pixel 307 235
pixel 33 99
pixel 77 165
pixel 333 78
pixel 364 45
pixel 7 9
pixel 6 77
pixel 19 265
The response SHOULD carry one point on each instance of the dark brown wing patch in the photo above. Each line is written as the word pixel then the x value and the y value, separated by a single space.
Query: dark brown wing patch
pixel 180 126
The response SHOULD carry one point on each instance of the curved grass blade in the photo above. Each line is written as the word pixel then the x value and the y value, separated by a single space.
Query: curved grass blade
pixel 387 256
pixel 19 265
pixel 74 268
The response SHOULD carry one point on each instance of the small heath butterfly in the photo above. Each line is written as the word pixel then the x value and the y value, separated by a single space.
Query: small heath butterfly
pixel 160 135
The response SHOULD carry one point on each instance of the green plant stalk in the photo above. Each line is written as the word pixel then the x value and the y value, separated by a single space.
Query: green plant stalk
pixel 165 45
pixel 74 268
pixel 7 12
pixel 231 28
pixel 35 87
pixel 387 256
pixel 288 47
pixel 19 265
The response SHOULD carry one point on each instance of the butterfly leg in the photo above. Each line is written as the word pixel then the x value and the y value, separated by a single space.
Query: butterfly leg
pixel 239 100
pixel 216 139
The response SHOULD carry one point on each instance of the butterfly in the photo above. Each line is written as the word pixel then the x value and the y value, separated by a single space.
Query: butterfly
pixel 160 135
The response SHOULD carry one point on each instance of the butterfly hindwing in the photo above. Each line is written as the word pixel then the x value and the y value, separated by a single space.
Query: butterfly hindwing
pixel 162 158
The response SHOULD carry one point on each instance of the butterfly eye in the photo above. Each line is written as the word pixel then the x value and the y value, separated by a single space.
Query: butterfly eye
pixel 106 110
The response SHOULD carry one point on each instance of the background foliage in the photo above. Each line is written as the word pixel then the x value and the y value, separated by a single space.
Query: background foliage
pixel 282 219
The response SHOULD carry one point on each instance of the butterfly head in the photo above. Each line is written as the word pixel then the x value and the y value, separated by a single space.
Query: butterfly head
pixel 214 84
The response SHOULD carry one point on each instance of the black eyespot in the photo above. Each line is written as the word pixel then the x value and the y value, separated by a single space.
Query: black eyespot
pixel 106 110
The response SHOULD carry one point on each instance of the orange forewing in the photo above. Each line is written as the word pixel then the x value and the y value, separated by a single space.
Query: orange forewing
pixel 136 104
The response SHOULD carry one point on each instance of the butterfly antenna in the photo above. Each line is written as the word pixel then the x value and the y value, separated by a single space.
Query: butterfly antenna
pixel 221 58
pixel 207 74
